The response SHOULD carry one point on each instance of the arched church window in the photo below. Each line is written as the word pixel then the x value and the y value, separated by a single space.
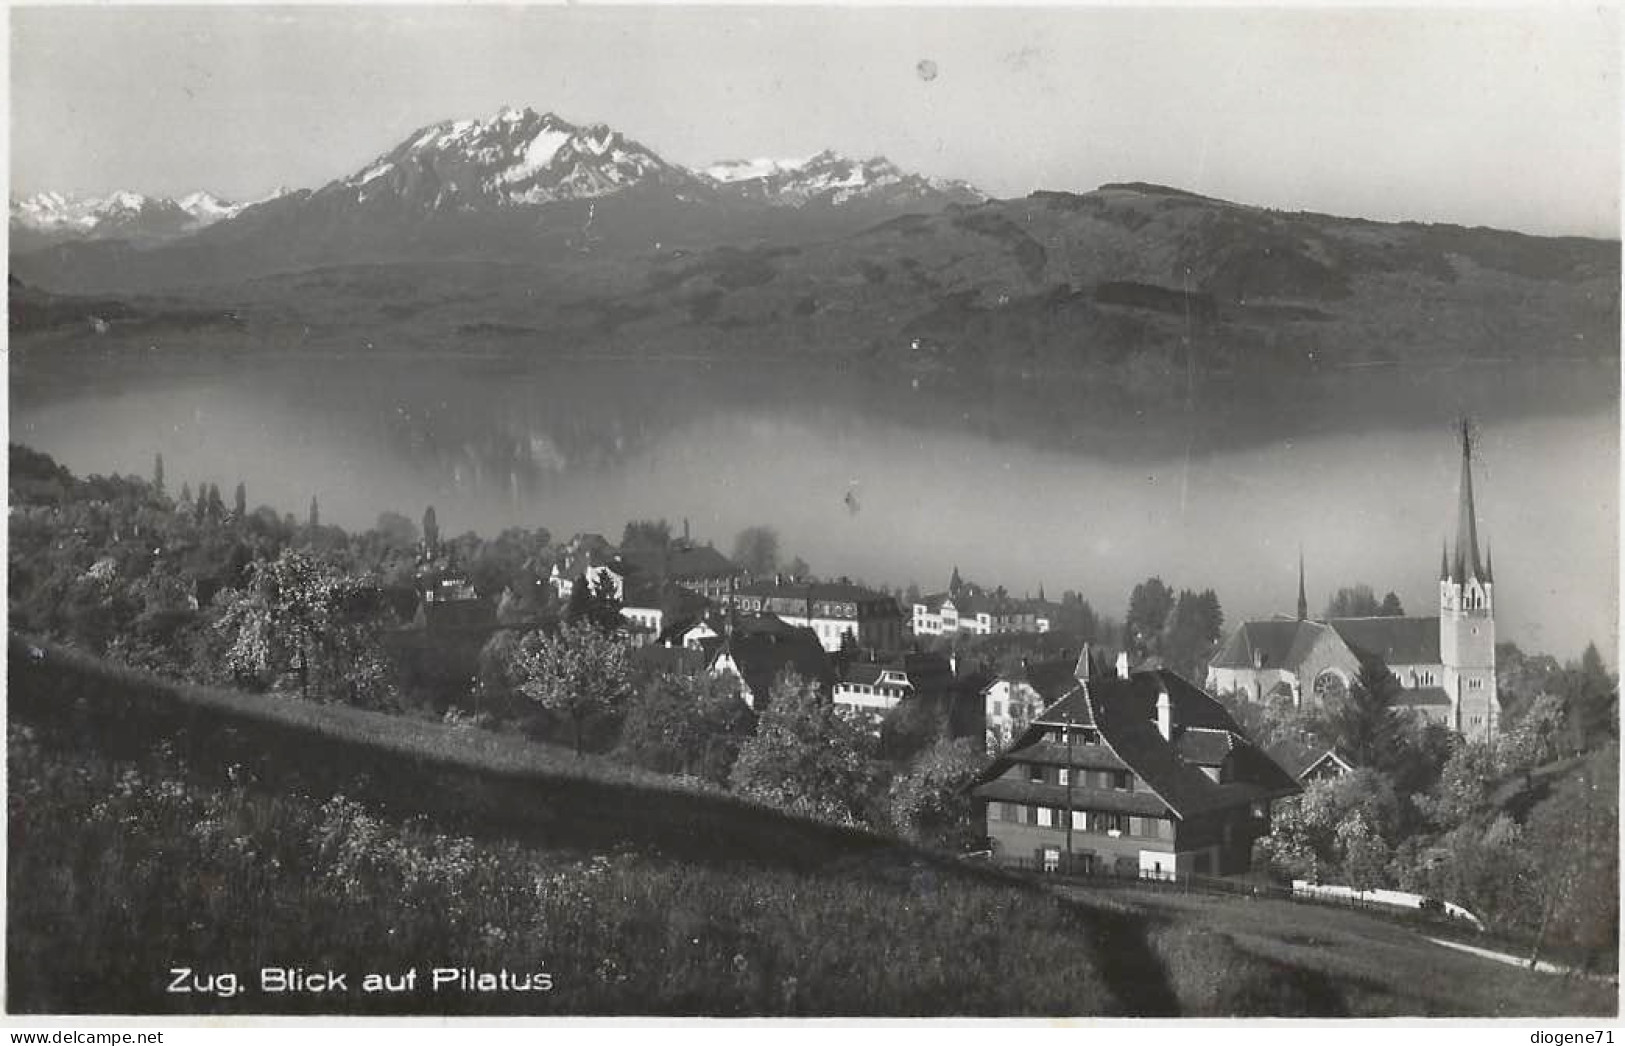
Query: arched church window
pixel 1330 686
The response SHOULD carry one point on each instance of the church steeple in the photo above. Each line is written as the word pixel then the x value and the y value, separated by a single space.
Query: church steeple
pixel 1468 565
pixel 1444 561
pixel 1303 597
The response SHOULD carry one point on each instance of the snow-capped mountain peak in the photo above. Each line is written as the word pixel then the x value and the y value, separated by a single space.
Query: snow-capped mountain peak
pixel 516 157
pixel 729 171
pixel 830 177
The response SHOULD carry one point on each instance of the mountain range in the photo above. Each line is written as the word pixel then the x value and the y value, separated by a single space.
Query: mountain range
pixel 530 233
pixel 535 173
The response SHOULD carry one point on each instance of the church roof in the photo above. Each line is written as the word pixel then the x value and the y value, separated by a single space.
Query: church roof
pixel 1397 640
pixel 1268 644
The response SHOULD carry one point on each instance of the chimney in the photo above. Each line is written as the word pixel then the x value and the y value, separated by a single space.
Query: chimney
pixel 1165 713
pixel 1122 664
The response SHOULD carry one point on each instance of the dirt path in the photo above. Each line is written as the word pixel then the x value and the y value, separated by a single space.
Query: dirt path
pixel 1540 966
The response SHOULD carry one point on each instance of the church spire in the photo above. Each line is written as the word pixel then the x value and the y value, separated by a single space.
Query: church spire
pixel 1489 564
pixel 1303 598
pixel 1444 561
pixel 1467 561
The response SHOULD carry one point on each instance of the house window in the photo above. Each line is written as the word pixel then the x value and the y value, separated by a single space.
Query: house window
pixel 1046 817
pixel 1052 859
pixel 1080 821
pixel 1123 780
pixel 1065 776
pixel 1035 773
pixel 998 708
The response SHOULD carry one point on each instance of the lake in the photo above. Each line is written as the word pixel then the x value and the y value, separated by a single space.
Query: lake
pixel 895 477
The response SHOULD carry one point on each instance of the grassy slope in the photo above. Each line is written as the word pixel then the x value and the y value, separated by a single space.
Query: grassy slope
pixel 231 848
pixel 1377 966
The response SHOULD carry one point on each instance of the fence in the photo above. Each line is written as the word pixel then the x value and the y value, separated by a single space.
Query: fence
pixel 1097 874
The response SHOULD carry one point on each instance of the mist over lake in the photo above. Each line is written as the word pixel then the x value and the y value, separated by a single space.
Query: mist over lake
pixel 895 477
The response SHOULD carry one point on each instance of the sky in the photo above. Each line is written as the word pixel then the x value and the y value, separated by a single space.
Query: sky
pixel 1502 117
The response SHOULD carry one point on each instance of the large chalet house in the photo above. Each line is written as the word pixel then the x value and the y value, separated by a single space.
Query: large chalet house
pixel 970 609
pixel 1141 775
pixel 1445 662
pixel 832 610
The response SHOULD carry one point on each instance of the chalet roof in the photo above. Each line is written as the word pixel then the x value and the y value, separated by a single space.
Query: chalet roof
pixel 1204 747
pixel 1052 680
pixel 1397 640
pixel 868 673
pixel 1425 696
pixel 1053 753
pixel 1124 712
pixel 1078 797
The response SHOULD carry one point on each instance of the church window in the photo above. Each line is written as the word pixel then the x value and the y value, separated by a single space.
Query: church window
pixel 1330 686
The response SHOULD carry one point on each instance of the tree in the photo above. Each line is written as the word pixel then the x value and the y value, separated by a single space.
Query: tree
pixel 216 510
pixel 646 535
pixel 1363 724
pixel 1391 607
pixel 930 802
pixel 578 672
pixel 596 604
pixel 1574 838
pixel 240 502
pixel 797 568
pixel 1148 608
pixel 807 756
pixel 682 724
pixel 431 530
pixel 1591 700
pixel 1354 601
pixel 1076 618
pixel 1340 828
pixel 1193 633
pixel 756 549
pixel 396 530
pixel 303 615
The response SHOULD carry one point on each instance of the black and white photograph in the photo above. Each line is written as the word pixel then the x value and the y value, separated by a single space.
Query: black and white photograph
pixel 813 511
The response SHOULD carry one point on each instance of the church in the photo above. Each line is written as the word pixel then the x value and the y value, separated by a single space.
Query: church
pixel 1445 663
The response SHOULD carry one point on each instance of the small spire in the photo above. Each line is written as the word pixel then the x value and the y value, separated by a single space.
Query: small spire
pixel 1444 560
pixel 1303 598
pixel 1489 564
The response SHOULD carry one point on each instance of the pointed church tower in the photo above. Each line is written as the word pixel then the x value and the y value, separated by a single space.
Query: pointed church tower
pixel 1303 597
pixel 1467 618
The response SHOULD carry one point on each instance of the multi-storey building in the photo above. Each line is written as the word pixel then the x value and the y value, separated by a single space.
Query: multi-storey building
pixel 1144 775
pixel 971 609
pixel 831 609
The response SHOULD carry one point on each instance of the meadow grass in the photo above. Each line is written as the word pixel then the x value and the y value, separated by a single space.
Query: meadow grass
pixel 1378 967
pixel 120 872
